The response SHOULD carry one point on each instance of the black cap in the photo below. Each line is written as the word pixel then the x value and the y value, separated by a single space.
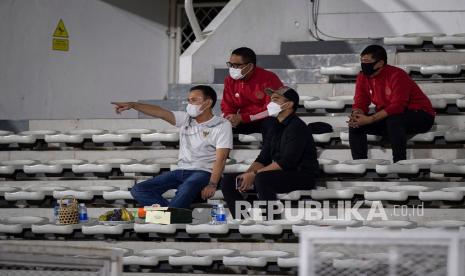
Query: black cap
pixel 287 93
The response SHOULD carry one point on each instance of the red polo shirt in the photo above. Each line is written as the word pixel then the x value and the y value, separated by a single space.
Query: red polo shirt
pixel 391 90
pixel 247 97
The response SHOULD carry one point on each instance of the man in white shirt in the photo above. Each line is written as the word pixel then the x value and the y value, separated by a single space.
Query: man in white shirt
pixel 204 145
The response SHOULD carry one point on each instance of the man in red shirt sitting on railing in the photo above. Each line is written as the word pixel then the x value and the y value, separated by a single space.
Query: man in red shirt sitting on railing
pixel 244 98
pixel 402 109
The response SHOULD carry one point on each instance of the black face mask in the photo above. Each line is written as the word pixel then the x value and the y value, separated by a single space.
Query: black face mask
pixel 368 68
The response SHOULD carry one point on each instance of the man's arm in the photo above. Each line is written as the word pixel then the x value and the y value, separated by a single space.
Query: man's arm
pixel 228 107
pixel 362 98
pixel 217 170
pixel 151 110
pixel 218 166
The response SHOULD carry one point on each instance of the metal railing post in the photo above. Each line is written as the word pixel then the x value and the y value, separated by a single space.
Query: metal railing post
pixel 193 20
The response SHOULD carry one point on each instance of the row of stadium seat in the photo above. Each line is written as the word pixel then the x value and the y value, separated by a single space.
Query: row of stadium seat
pixel 245 229
pixel 97 136
pixel 440 102
pixel 437 133
pixel 132 167
pixel 419 39
pixel 423 191
pixel 413 69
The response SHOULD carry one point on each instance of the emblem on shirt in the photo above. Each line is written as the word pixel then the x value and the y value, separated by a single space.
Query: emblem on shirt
pixel 236 95
pixel 205 133
pixel 387 91
pixel 259 94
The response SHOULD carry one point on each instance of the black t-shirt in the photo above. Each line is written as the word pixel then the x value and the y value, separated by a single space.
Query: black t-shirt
pixel 290 145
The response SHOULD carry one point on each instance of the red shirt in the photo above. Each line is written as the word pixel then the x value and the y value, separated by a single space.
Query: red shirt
pixel 391 90
pixel 247 97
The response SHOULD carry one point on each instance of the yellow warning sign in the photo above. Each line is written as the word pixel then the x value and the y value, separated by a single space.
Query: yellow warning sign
pixel 60 44
pixel 60 30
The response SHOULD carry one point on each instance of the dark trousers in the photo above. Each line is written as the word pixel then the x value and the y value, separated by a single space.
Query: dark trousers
pixel 263 126
pixel 267 185
pixel 395 128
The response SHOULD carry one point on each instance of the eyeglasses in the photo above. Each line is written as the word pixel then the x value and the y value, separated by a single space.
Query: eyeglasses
pixel 234 65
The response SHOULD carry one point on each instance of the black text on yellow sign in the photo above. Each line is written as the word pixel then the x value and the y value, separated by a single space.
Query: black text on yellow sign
pixel 60 44
pixel 60 40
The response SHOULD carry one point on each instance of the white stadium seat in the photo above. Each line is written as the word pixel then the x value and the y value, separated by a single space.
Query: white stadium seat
pixel 344 135
pixel 409 68
pixel 435 132
pixel 117 195
pixel 151 257
pixel 391 224
pixel 386 195
pixel 73 136
pixel 402 40
pixel 250 138
pixel 145 167
pixel 461 103
pixel 57 229
pixel 456 40
pixel 155 228
pixel 18 139
pixel 340 193
pixel 345 70
pixel 440 195
pixel 196 229
pixel 255 258
pixel 411 39
pixel 10 166
pixel 454 136
pixel 16 225
pixel 353 166
pixel 168 135
pixel 106 229
pixel 441 69
pixel 412 166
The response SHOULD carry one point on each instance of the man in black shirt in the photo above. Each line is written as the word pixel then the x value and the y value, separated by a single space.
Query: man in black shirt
pixel 287 161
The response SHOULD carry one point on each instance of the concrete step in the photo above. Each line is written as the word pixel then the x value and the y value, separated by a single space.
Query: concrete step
pixel 292 76
pixel 329 47
pixel 305 61
pixel 137 246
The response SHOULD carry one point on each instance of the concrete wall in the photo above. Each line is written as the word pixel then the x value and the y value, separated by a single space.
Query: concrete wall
pixel 118 51
pixel 380 18
pixel 263 24
pixel 259 24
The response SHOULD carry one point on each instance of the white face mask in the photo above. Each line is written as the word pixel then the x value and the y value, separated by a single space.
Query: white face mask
pixel 273 109
pixel 193 110
pixel 236 73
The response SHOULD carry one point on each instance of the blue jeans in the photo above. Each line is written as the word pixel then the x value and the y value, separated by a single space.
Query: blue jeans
pixel 188 182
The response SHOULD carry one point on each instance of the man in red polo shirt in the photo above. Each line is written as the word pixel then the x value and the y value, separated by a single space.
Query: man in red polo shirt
pixel 244 98
pixel 402 109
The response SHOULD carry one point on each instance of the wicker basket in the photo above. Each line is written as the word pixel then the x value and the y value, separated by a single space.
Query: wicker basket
pixel 68 214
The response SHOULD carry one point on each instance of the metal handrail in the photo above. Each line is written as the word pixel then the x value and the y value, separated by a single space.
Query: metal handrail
pixel 189 7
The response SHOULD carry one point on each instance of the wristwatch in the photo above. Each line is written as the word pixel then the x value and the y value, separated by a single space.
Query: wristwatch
pixel 210 183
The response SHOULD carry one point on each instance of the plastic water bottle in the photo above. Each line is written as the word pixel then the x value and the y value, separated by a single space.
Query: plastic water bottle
pixel 56 210
pixel 213 214
pixel 220 214
pixel 83 213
